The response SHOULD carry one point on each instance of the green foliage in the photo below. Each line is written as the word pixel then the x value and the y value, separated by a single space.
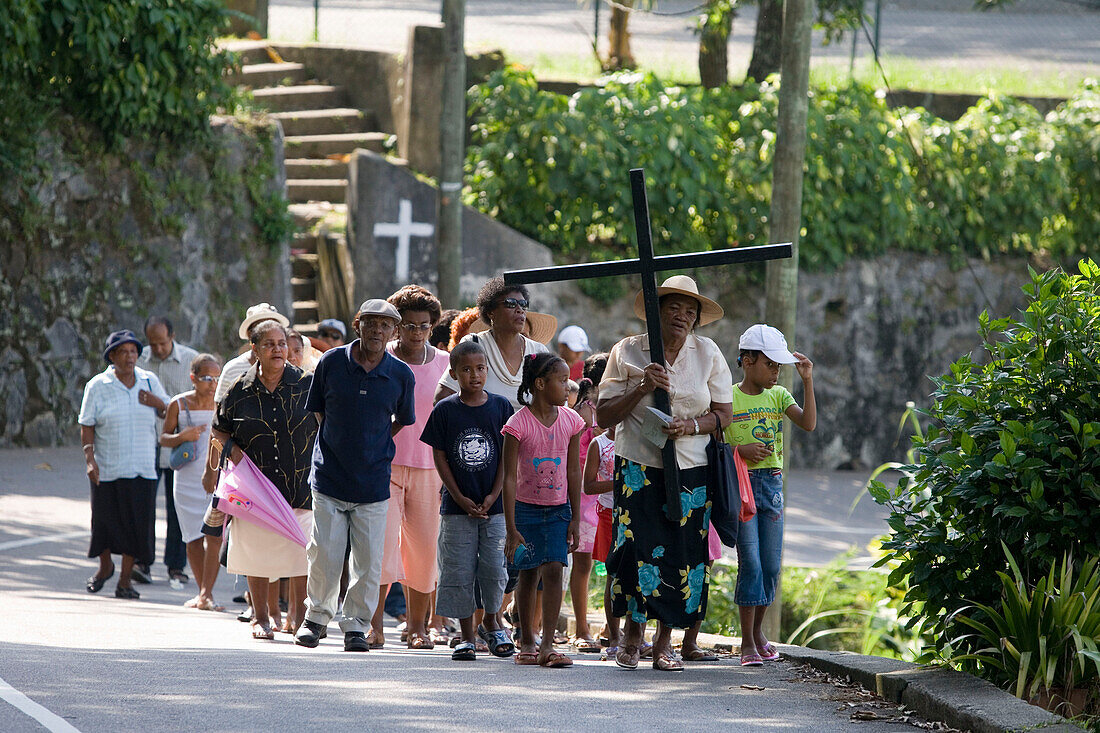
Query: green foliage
pixel 130 67
pixel 1038 637
pixel 1012 455
pixel 1000 180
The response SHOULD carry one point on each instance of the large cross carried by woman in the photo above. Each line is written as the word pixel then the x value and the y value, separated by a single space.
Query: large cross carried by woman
pixel 648 266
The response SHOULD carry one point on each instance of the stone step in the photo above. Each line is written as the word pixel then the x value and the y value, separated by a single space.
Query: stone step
pixel 316 168
pixel 258 76
pixel 307 215
pixel 305 310
pixel 303 265
pixel 317 189
pixel 303 288
pixel 304 243
pixel 248 52
pixel 306 328
pixel 305 96
pixel 324 121
pixel 320 146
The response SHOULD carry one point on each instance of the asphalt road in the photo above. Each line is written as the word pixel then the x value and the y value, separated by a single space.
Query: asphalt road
pixel 1030 34
pixel 101 664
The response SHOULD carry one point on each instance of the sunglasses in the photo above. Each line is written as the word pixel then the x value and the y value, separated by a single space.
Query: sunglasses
pixel 206 378
pixel 411 327
pixel 516 303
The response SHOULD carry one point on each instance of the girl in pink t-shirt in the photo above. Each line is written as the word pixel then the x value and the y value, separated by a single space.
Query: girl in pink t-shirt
pixel 542 486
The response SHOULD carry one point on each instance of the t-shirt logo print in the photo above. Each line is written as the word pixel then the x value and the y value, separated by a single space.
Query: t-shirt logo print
pixel 474 448
pixel 547 473
pixel 764 433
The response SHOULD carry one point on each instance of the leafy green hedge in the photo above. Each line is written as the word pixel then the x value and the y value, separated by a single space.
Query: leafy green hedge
pixel 1000 180
pixel 131 67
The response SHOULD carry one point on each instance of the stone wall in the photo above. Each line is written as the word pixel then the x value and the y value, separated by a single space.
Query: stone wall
pixel 106 239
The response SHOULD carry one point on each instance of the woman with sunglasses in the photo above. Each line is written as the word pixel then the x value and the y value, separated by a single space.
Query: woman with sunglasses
pixel 188 421
pixel 412 525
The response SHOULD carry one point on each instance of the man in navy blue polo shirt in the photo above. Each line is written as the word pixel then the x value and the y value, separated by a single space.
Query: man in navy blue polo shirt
pixel 362 397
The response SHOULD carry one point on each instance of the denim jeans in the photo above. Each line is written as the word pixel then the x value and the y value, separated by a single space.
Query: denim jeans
pixel 760 541
pixel 471 552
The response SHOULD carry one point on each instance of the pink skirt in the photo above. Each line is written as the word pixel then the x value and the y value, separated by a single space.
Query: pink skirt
pixel 412 529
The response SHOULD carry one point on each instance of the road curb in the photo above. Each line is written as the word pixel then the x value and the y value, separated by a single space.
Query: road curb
pixel 936 693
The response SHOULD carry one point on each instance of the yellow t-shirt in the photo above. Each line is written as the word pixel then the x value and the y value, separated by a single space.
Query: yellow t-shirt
pixel 759 419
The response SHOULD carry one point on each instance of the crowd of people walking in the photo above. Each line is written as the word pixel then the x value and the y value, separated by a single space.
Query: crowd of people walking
pixel 457 454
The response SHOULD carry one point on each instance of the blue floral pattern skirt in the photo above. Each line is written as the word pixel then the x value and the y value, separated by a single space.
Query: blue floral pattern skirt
pixel 659 568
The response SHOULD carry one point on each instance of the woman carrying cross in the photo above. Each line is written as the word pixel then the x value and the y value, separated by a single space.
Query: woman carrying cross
pixel 660 568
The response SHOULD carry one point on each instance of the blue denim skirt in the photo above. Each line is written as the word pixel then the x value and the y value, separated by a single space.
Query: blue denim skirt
pixel 544 529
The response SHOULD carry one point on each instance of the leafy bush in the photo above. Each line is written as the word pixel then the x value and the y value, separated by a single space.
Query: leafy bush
pixel 1002 179
pixel 1012 456
pixel 1042 638
pixel 131 67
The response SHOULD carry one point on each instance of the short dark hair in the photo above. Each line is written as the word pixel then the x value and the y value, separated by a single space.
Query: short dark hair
pixel 465 348
pixel 440 337
pixel 493 291
pixel 259 328
pixel 416 298
pixel 198 362
pixel 754 353
pixel 159 321
pixel 535 366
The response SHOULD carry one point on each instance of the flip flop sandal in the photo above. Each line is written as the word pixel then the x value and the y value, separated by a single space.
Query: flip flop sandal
pixel 770 653
pixel 667 662
pixel 481 646
pixel 526 658
pixel 262 631
pixel 699 655
pixel 245 616
pixel 464 652
pixel 419 641
pixel 645 651
pixel 586 646
pixel 751 660
pixel 556 660
pixel 497 641
pixel 627 656
pixel 95 584
pixel 373 641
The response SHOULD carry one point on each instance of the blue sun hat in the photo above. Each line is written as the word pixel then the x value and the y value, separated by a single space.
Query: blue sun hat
pixel 118 338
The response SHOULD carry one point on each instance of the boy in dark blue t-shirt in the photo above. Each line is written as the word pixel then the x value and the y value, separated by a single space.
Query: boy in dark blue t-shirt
pixel 464 433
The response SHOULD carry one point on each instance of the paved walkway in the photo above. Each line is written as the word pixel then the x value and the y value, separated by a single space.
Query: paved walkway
pixel 100 664
pixel 1032 35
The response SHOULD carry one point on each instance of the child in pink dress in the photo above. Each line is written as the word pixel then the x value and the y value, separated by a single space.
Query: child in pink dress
pixel 542 483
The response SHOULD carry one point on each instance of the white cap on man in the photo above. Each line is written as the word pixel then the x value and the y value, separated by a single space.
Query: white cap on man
pixel 761 337
pixel 379 307
pixel 575 339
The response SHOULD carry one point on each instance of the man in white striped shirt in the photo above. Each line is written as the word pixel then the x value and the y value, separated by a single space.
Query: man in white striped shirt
pixel 171 362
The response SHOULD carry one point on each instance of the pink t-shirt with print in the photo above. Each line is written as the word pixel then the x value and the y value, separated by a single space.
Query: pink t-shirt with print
pixel 542 475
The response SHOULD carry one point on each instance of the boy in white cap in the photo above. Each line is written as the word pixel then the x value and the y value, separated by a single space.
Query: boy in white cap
pixel 572 346
pixel 759 404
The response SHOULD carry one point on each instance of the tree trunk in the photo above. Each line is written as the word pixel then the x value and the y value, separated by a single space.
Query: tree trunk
pixel 618 37
pixel 714 36
pixel 766 41
pixel 452 137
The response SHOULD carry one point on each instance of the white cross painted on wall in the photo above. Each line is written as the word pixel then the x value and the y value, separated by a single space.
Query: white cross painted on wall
pixel 403 229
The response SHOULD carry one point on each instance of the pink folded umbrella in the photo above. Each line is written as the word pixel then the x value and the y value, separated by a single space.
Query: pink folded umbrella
pixel 244 492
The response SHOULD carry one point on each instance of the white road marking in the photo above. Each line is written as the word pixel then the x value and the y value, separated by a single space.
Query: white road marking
pixel 27 706
pixel 35 540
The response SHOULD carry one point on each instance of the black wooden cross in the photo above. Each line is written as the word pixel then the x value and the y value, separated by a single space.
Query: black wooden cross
pixel 648 266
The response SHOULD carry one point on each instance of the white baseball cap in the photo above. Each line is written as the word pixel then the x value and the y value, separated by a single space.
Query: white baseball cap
pixel 574 338
pixel 768 339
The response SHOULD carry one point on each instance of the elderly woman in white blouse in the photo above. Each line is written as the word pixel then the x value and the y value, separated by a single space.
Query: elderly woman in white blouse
pixel 118 432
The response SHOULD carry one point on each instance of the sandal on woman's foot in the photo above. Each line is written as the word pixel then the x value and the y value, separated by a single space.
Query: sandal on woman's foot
pixel 586 646
pixel 751 660
pixel 627 656
pixel 667 661
pixel 697 654
pixel 556 659
pixel 645 651
pixel 195 602
pixel 464 652
pixel 262 631
pixel 95 583
pixel 376 640
pixel 127 593
pixel 526 658
pixel 419 641
pixel 439 637
pixel 481 646
pixel 497 641
pixel 769 653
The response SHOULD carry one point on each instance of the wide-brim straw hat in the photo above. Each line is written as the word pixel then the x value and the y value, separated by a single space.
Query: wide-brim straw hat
pixel 543 326
pixel 709 311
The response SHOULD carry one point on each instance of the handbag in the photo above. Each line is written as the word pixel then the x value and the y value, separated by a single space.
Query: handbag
pixel 731 492
pixel 186 451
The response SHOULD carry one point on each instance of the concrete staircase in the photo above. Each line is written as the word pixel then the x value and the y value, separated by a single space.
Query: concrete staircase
pixel 321 131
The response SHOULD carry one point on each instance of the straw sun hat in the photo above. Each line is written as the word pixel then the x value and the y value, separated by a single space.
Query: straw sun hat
pixel 709 311
pixel 543 326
